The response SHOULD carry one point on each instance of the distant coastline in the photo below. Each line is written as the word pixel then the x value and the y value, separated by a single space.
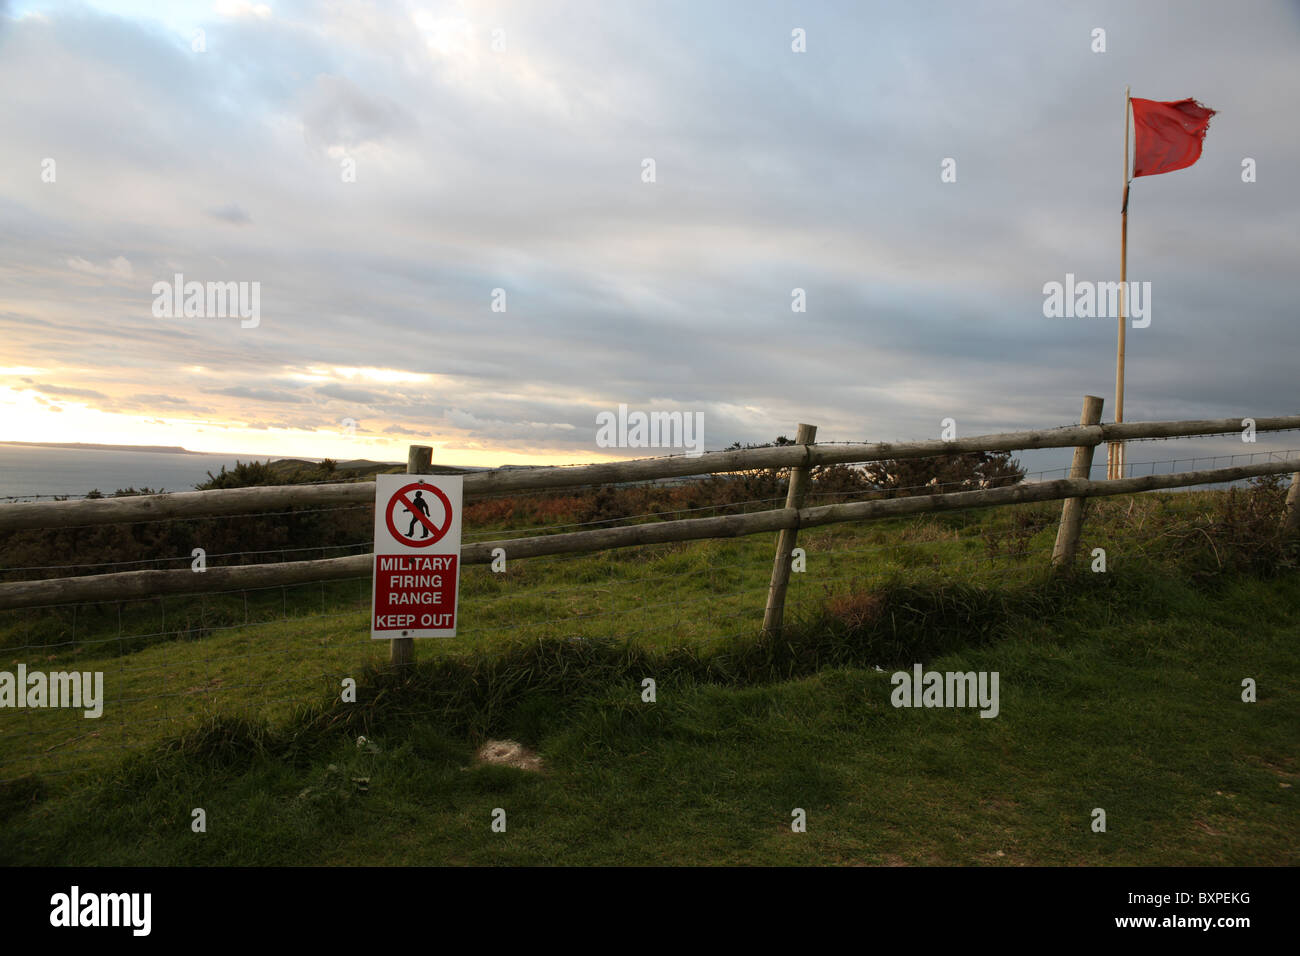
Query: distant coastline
pixel 156 449
pixel 356 464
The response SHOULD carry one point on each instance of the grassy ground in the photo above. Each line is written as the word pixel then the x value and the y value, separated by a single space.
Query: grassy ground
pixel 1119 691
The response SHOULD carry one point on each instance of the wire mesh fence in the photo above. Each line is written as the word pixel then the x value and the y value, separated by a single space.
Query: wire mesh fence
pixel 169 662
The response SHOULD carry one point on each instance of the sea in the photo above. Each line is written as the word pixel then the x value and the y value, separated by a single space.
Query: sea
pixel 34 472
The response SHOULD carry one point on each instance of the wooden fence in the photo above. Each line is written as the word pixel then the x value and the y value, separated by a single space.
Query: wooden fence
pixel 799 457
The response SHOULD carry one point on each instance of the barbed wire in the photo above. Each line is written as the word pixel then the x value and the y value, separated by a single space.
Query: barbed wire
pixel 344 478
pixel 300 511
pixel 209 557
pixel 489 534
pixel 814 496
pixel 484 534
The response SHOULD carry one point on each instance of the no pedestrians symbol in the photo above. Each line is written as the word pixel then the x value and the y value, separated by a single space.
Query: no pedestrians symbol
pixel 421 529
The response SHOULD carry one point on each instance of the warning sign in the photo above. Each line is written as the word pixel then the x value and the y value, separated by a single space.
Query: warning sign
pixel 417 556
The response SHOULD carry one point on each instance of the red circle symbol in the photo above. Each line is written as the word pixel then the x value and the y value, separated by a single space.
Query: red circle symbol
pixel 402 497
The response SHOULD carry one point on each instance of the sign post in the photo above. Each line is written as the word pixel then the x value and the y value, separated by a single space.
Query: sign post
pixel 417 559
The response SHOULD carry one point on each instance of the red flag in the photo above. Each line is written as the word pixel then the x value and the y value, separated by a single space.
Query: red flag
pixel 1169 135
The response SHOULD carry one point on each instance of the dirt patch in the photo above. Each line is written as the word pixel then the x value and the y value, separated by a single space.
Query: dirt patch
pixel 510 754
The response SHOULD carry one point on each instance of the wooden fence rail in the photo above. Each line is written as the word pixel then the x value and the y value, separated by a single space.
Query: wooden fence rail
pixel 134 585
pixel 234 501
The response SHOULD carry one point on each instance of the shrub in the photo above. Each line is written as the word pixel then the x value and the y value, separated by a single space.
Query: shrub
pixel 944 473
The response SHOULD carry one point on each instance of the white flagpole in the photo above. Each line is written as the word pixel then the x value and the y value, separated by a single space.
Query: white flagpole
pixel 1115 451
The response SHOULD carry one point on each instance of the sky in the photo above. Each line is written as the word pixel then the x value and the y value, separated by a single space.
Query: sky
pixel 390 175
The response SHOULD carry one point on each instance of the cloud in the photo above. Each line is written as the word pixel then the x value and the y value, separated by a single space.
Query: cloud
pixel 260 394
pixel 520 169
pixel 241 8
pixel 117 268
pixel 345 393
pixel 338 113
pixel 159 399
pixel 70 392
pixel 281 426
pixel 232 213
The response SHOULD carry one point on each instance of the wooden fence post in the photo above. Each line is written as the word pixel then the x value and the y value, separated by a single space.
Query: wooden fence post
pixel 1067 535
pixel 785 541
pixel 401 650
pixel 1291 519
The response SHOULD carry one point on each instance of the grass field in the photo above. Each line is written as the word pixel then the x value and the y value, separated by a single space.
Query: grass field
pixel 1119 690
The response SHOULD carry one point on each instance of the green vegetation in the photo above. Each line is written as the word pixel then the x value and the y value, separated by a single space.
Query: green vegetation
pixel 1119 690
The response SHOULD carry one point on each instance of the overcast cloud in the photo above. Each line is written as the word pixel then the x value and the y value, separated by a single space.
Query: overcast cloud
pixel 521 169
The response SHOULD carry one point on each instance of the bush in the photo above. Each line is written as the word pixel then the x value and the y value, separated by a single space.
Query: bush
pixel 945 473
pixel 1245 528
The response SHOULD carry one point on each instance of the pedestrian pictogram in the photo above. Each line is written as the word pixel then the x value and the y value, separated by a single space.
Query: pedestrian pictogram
pixel 423 529
pixel 417 556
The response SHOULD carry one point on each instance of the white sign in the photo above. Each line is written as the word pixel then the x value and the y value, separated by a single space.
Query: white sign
pixel 417 556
